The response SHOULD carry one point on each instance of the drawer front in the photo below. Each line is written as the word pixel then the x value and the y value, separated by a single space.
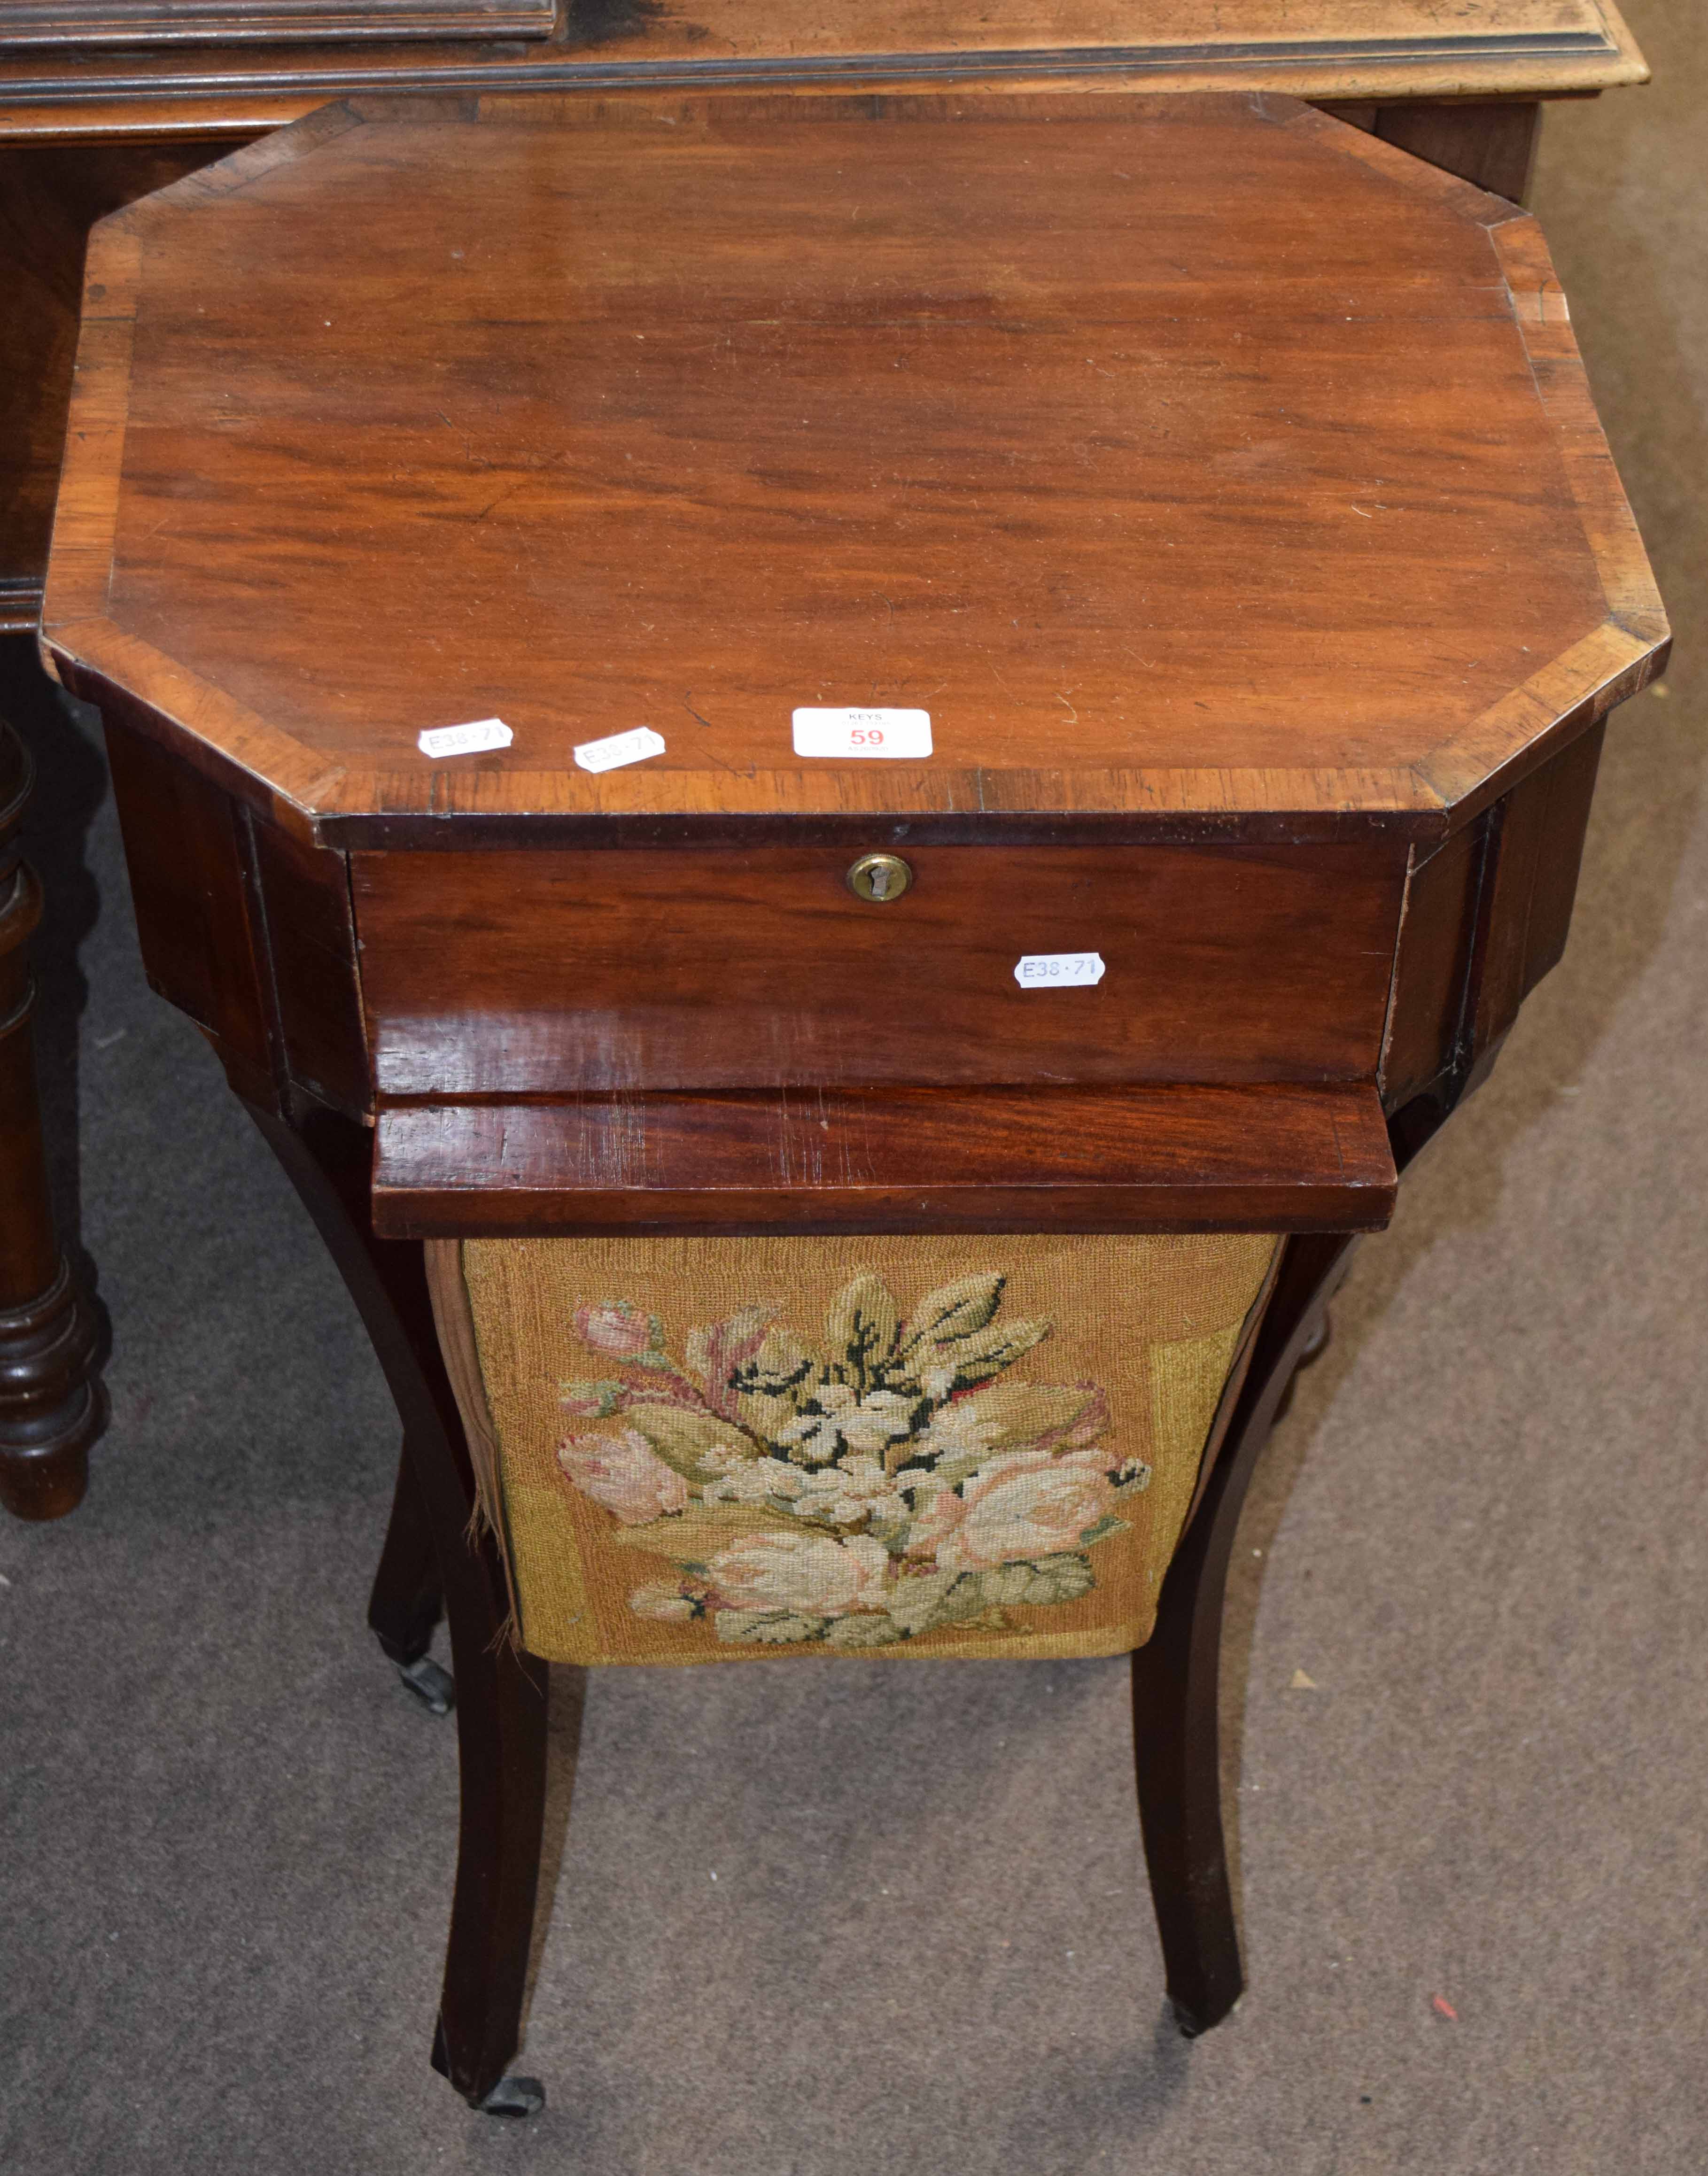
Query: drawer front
pixel 547 972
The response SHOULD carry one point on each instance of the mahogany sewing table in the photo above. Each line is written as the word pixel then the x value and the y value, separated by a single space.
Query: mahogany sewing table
pixel 99 104
pixel 1200 497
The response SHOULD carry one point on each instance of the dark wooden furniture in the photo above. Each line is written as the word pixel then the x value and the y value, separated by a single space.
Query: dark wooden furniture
pixel 87 125
pixel 91 25
pixel 101 100
pixel 51 1404
pixel 1221 480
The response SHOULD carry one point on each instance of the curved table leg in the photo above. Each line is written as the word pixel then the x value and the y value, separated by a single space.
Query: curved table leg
pixel 408 1595
pixel 52 1407
pixel 1315 1345
pixel 501 1694
pixel 1175 1733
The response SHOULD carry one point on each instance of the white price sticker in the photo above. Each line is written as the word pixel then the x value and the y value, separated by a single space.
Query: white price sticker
pixel 465 740
pixel 619 748
pixel 1058 970
pixel 903 735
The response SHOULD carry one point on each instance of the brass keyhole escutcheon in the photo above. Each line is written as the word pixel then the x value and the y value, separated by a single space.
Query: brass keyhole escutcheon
pixel 879 878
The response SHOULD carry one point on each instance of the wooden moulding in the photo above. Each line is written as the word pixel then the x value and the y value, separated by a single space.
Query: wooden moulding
pixel 85 24
pixel 1347 49
pixel 338 779
pixel 1268 1158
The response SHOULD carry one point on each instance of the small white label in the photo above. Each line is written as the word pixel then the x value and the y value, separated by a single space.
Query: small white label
pixel 1058 970
pixel 897 734
pixel 619 748
pixel 465 740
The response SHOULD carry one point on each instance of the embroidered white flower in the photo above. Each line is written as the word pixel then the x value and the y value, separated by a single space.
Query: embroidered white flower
pixel 813 1575
pixel 744 1479
pixel 847 1422
pixel 852 1489
pixel 958 1430
pixel 1002 1492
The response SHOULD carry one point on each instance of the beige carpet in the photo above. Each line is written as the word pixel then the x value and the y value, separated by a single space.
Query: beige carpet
pixel 843 1921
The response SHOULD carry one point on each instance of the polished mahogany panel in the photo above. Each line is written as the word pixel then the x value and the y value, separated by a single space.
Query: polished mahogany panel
pixel 890 1160
pixel 514 973
pixel 1279 494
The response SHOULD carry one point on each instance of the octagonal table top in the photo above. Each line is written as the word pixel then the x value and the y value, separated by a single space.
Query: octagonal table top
pixel 1189 460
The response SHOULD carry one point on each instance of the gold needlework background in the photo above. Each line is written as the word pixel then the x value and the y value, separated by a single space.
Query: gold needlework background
pixel 714 1450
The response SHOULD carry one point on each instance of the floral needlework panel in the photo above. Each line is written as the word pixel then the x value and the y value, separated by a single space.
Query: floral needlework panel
pixel 711 1449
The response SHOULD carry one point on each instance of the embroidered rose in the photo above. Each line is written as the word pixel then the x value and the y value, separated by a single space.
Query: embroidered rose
pixel 891 1432
pixel 625 1474
pixel 1023 1505
pixel 616 1327
pixel 845 1421
pixel 817 1576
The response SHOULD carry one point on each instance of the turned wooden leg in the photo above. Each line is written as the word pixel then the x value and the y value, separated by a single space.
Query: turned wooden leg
pixel 501 1694
pixel 51 1404
pixel 1175 1726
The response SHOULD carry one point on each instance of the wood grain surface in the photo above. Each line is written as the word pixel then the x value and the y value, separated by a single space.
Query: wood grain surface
pixel 85 24
pixel 1230 498
pixel 519 974
pixel 1273 1159
pixel 1332 49
pixel 49 197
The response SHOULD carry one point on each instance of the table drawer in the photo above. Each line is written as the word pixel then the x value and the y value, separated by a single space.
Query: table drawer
pixel 502 973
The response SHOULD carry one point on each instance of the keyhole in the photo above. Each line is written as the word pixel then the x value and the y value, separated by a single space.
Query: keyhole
pixel 880 877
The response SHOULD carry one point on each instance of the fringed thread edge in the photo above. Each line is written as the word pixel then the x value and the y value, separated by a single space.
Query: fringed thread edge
pixel 454 1317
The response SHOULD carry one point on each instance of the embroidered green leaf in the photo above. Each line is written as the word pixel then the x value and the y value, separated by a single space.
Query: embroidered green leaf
pixel 682 1439
pixel 1059 1579
pixel 1017 1416
pixel 965 1602
pixel 1007 1585
pixel 984 1354
pixel 769 1388
pixel 1107 1524
pixel 863 1631
pixel 914 1602
pixel 695 1536
pixel 766 1627
pixel 954 1310
pixel 861 1323
pixel 593 1402
pixel 715 1351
